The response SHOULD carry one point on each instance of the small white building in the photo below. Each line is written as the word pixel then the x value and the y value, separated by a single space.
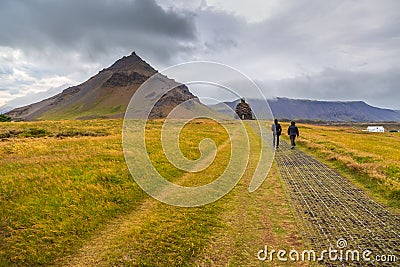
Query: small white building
pixel 376 129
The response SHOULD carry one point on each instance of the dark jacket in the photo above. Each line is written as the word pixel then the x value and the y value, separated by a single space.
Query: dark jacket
pixel 293 130
pixel 277 129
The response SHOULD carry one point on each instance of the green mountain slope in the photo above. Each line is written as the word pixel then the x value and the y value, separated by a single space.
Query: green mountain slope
pixel 106 94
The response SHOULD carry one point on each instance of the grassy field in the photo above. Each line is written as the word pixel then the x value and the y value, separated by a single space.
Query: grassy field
pixel 371 160
pixel 67 198
pixel 56 189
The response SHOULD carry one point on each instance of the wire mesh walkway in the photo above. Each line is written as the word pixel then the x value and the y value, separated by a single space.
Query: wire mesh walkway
pixel 331 212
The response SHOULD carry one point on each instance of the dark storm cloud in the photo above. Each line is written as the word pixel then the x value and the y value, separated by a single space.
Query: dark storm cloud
pixel 95 26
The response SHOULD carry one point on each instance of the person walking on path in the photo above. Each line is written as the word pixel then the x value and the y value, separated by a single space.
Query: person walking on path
pixel 276 132
pixel 293 131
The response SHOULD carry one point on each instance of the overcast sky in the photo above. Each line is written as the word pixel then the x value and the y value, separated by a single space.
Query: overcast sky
pixel 326 50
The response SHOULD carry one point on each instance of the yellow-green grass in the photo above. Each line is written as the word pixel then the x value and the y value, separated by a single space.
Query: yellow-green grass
pixel 77 111
pixel 56 190
pixel 65 189
pixel 191 136
pixel 371 160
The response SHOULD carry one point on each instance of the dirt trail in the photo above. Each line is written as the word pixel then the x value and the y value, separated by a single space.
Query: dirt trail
pixel 251 220
pixel 94 252
pixel 329 207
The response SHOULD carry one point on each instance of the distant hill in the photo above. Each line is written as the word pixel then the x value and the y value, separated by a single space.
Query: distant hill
pixel 295 109
pixel 106 94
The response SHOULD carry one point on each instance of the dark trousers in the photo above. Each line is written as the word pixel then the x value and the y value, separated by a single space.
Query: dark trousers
pixel 275 138
pixel 292 138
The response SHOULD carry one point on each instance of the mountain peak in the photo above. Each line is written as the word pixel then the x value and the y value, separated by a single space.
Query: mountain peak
pixel 107 94
pixel 133 61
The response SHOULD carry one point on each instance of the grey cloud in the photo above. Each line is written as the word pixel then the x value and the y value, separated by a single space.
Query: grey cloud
pixel 336 50
pixel 310 34
pixel 98 26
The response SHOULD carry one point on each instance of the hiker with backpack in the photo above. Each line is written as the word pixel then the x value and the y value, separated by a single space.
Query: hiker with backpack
pixel 276 132
pixel 293 131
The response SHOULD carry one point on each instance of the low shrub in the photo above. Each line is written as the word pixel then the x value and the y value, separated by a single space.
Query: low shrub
pixel 4 118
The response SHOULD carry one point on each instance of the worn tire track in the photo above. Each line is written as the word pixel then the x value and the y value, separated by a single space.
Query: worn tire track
pixel 329 207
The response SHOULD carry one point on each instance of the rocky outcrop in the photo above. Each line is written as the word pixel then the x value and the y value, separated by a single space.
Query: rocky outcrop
pixel 122 79
pixel 170 100
pixel 244 111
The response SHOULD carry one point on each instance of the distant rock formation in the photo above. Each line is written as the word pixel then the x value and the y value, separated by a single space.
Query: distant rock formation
pixel 243 110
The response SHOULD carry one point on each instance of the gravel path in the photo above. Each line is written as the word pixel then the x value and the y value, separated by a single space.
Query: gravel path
pixel 329 208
